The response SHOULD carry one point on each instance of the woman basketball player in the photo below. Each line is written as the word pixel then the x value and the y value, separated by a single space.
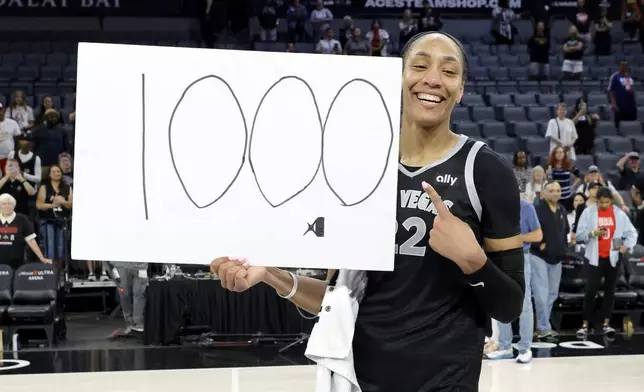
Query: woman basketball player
pixel 421 327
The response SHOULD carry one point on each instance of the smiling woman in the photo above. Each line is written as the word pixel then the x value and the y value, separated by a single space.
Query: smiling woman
pixel 458 256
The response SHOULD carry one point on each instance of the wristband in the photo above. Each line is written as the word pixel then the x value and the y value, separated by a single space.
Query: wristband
pixel 293 290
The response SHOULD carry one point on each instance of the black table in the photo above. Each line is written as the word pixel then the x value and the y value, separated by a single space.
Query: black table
pixel 172 305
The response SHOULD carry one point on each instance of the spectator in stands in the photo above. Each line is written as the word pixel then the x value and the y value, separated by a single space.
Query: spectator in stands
pixel 622 95
pixel 50 140
pixel 562 132
pixel 268 22
pixel 16 230
pixel 561 170
pixel 378 39
pixel 22 113
pixel 132 281
pixel 321 18
pixel 66 165
pixel 9 130
pixel 530 233
pixel 581 20
pixel 408 28
pixel 636 209
pixel 357 45
pixel 290 48
pixel 296 18
pixel 631 17
pixel 429 20
pixel 346 31
pixel 46 104
pixel 636 193
pixel 545 257
pixel 573 50
pixel 54 202
pixel 573 216
pixel 590 200
pixel 522 171
pixel 629 167
pixel 539 48
pixel 503 30
pixel 14 183
pixel 72 117
pixel 595 176
pixel 329 45
pixel 585 125
pixel 30 164
pixel 603 39
pixel 533 188
pixel 608 234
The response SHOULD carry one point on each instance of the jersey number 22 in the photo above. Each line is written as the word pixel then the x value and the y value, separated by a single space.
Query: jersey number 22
pixel 411 247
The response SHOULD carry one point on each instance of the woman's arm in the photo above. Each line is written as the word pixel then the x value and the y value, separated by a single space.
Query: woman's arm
pixel 68 201
pixel 40 200
pixel 310 291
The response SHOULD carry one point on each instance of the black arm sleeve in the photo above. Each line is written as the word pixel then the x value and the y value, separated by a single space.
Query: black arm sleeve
pixel 501 294
pixel 500 285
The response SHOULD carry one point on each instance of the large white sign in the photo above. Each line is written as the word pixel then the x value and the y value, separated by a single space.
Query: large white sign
pixel 186 154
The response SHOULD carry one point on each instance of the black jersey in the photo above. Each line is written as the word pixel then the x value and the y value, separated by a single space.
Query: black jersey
pixel 419 327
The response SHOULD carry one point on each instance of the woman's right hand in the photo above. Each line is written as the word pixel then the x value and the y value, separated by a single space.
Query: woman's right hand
pixel 235 274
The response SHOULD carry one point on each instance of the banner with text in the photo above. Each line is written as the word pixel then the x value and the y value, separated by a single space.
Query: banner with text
pixel 72 8
pixel 468 6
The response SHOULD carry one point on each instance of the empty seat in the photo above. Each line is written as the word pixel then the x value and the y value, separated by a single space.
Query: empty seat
pixel 606 161
pixel 573 281
pixel 505 145
pixel 472 100
pixel 499 73
pixel 518 73
pixel 458 113
pixel 468 129
pixel 500 100
pixel 638 143
pixel 635 269
pixel 489 61
pixel 606 128
pixel 571 98
pixel 34 299
pixel 6 281
pixel 537 145
pixel 525 128
pixel 525 99
pixel 514 114
pixel 478 73
pixel 492 130
pixel 630 128
pixel 58 58
pixel 539 114
pixel 548 99
pixel 618 144
pixel 51 73
pixel 584 162
pixel 483 114
pixel 595 99
pixel 507 87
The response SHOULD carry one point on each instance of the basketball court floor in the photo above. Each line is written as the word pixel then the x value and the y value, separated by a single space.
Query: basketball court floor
pixel 566 365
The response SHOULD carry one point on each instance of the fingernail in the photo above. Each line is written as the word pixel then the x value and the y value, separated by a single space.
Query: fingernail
pixel 425 185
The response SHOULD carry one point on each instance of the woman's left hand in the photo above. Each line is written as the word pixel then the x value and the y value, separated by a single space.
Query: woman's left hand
pixel 452 238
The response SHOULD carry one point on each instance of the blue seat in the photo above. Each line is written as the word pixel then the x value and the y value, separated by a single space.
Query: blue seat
pixel 500 100
pixel 548 99
pixel 492 130
pixel 483 114
pixel 525 99
pixel 514 114
pixel 458 114
pixel 539 114
pixel 618 144
pixel 537 146
pixel 468 129
pixel 504 145
pixel 630 128
pixel 606 128
pixel 525 128
pixel 584 162
pixel 472 100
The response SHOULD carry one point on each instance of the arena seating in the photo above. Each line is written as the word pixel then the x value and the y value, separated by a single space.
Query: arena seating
pixel 6 282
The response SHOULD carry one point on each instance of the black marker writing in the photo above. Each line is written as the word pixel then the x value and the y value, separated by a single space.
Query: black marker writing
pixel 249 142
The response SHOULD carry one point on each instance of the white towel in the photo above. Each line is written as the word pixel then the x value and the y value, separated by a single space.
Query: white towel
pixel 330 343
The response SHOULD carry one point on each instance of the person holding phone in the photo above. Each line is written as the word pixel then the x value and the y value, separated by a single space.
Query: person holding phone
pixel 608 234
pixel 14 183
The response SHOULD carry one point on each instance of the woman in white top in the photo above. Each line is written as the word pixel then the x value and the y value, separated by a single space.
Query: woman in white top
pixel 533 188
pixel 562 132
pixel 20 112
pixel 378 38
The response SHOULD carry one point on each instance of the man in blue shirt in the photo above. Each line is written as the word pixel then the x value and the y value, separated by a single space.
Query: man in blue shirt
pixel 622 95
pixel 530 232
